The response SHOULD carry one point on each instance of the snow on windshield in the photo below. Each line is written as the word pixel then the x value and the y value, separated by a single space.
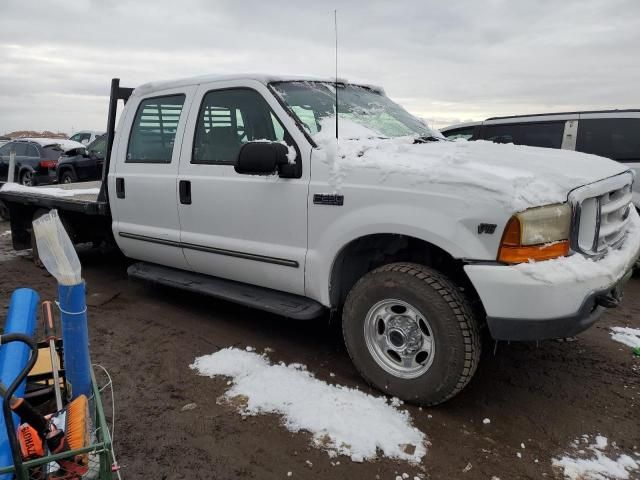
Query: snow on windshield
pixel 312 102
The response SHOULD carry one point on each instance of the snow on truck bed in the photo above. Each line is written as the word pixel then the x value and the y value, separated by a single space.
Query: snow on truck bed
pixel 82 192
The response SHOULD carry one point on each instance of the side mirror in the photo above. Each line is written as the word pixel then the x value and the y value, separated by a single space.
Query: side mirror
pixel 261 158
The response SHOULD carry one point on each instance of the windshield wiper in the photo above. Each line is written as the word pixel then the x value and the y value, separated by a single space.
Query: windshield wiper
pixel 427 138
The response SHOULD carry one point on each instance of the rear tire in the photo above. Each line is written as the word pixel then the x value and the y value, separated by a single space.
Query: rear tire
pixel 411 333
pixel 27 179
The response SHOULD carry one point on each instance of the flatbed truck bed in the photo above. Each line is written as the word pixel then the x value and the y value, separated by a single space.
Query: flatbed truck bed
pixel 82 197
pixel 86 214
pixel 86 218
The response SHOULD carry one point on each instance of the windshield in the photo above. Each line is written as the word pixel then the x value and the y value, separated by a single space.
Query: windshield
pixel 311 102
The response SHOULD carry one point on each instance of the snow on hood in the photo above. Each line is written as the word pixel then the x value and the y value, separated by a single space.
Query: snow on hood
pixel 514 175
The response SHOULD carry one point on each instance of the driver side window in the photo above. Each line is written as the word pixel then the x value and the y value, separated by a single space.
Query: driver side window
pixel 230 118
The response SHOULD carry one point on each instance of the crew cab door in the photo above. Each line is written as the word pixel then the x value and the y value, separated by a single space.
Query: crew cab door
pixel 143 174
pixel 248 228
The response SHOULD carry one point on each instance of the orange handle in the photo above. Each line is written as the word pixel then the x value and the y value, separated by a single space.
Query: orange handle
pixel 47 317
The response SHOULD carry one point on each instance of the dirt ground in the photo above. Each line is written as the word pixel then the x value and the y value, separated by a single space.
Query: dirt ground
pixel 544 396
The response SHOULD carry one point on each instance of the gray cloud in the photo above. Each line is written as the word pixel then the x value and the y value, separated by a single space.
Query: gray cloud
pixel 444 61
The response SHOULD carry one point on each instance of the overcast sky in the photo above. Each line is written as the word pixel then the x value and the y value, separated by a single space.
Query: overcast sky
pixel 444 61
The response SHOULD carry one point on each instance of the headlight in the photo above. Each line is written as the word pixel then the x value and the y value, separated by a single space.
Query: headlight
pixel 537 234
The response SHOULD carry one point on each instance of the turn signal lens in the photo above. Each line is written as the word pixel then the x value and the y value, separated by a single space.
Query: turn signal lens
pixel 536 234
pixel 510 254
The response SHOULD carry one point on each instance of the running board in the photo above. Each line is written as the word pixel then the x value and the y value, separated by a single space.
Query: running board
pixel 273 301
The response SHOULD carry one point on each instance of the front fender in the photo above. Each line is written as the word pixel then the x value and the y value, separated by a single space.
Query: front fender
pixel 455 234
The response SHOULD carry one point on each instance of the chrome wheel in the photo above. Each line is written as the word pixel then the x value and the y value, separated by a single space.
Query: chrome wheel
pixel 399 338
pixel 67 179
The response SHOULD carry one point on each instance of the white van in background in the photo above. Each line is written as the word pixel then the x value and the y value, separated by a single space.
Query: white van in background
pixel 85 136
pixel 613 134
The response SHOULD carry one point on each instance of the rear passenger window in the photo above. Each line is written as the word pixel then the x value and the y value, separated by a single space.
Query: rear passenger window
pixel 546 134
pixel 615 138
pixel 230 118
pixel 52 152
pixel 154 130
pixel 21 149
pixel 32 151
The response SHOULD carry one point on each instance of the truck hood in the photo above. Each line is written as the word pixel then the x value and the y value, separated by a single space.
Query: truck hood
pixel 517 176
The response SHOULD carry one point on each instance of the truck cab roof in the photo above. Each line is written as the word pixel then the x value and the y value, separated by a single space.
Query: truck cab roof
pixel 258 77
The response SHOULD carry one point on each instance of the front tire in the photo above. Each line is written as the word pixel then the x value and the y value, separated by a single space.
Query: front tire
pixel 410 333
pixel 68 177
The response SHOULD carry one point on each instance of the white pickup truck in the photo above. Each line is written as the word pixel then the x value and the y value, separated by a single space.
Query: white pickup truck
pixel 236 187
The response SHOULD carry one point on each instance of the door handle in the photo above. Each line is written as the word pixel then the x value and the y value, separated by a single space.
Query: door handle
pixel 184 187
pixel 120 187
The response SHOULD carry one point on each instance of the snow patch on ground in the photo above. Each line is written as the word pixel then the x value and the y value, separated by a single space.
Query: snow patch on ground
pixel 588 461
pixel 342 420
pixel 626 335
pixel 517 176
pixel 49 191
pixel 578 268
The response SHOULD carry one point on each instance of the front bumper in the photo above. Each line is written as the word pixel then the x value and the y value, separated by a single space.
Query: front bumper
pixel 593 306
pixel 552 299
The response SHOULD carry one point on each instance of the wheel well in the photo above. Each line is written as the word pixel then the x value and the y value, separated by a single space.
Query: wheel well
pixel 367 253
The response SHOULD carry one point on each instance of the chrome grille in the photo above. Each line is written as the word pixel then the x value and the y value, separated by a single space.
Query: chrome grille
pixel 601 214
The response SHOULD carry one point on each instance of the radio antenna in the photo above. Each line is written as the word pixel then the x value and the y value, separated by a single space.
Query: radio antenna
pixel 335 24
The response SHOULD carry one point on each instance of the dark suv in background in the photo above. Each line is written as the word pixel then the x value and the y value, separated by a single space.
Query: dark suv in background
pixel 36 159
pixel 83 164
